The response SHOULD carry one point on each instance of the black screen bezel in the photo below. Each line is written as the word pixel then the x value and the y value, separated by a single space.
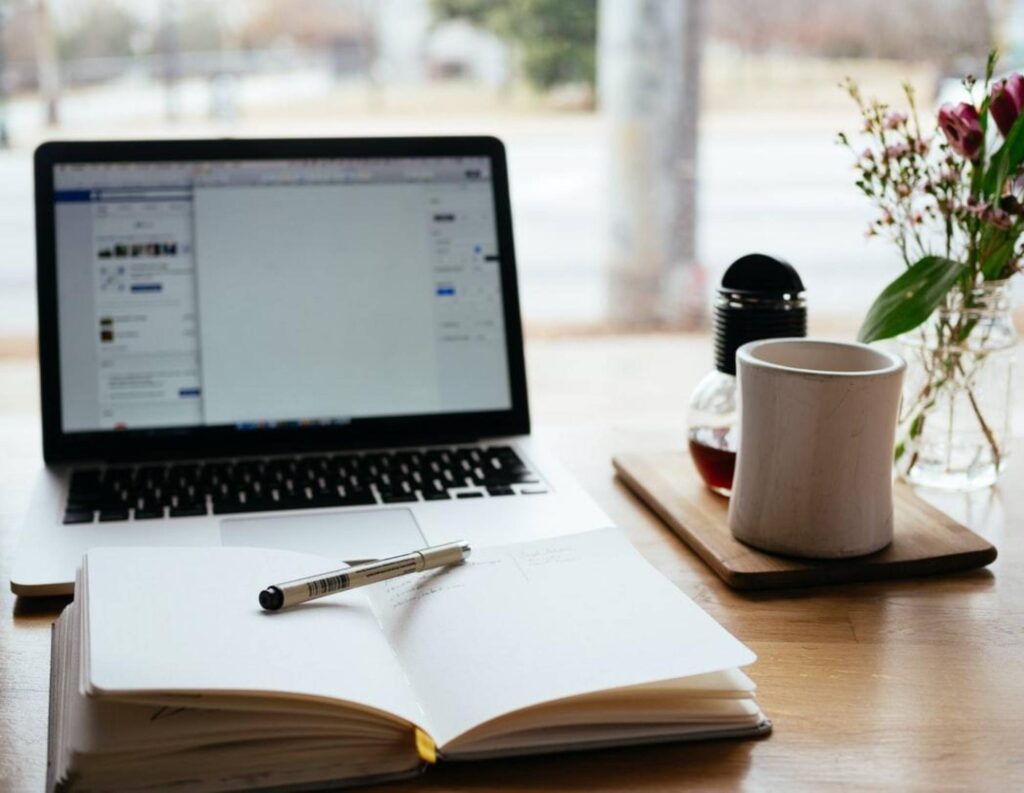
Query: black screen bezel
pixel 227 440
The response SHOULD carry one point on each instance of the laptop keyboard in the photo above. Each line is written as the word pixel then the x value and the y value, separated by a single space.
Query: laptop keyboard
pixel 152 492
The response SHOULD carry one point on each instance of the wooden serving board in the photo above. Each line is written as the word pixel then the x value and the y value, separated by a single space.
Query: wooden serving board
pixel 926 540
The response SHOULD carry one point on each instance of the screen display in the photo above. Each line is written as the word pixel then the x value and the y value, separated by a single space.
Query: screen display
pixel 276 293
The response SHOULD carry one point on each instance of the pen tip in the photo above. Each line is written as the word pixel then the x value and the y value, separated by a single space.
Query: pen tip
pixel 271 598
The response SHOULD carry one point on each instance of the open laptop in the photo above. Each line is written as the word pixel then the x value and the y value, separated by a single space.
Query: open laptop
pixel 305 344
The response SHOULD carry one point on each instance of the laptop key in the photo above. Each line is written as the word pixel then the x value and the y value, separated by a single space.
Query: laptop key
pixel 187 511
pixel 78 516
pixel 148 513
pixel 233 506
pixel 285 502
pixel 500 490
pixel 507 477
pixel 473 494
pixel 240 501
pixel 322 501
pixel 110 515
pixel 85 489
pixel 358 498
pixel 435 495
pixel 82 504
pixel 398 497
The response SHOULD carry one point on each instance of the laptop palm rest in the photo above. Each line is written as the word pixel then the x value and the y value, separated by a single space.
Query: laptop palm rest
pixel 346 536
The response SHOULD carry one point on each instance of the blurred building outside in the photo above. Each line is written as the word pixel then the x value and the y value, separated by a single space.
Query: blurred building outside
pixel 705 131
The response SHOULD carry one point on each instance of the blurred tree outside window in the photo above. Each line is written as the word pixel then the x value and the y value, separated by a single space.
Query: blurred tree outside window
pixel 101 32
pixel 555 39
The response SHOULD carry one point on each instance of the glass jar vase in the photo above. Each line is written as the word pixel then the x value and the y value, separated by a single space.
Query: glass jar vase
pixel 954 428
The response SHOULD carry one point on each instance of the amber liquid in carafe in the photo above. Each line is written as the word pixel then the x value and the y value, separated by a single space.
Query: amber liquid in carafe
pixel 715 457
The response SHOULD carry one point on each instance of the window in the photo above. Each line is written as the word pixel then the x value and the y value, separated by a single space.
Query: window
pixel 650 143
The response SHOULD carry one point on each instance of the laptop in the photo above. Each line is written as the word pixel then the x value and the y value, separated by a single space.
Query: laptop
pixel 312 345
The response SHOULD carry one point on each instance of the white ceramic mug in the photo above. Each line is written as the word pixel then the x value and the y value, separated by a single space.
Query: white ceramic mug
pixel 814 470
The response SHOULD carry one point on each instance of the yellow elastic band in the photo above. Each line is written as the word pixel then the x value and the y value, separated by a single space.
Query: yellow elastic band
pixel 425 747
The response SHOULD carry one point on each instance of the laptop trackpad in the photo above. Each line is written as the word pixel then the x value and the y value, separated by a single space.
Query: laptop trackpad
pixel 345 536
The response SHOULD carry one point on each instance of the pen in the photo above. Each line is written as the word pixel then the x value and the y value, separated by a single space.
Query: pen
pixel 291 593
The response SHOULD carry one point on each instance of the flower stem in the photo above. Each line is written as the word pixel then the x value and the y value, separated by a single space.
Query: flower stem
pixel 989 435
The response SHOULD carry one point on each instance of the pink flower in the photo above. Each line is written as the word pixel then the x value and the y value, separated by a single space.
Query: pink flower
pixel 962 128
pixel 894 120
pixel 972 206
pixel 999 219
pixel 1006 101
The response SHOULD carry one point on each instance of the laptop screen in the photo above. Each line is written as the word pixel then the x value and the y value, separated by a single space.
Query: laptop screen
pixel 277 293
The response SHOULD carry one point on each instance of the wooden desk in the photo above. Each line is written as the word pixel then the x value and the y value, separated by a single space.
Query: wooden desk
pixel 906 684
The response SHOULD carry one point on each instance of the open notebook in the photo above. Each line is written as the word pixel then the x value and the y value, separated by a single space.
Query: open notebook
pixel 166 673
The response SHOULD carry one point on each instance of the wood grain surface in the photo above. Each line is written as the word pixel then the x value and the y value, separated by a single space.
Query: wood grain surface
pixel 926 540
pixel 909 684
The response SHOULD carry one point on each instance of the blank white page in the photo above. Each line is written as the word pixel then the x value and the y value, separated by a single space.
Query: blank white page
pixel 188 620
pixel 518 625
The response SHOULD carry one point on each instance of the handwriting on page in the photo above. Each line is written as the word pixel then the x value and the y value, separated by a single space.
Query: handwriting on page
pixel 547 556
pixel 411 589
pixel 484 571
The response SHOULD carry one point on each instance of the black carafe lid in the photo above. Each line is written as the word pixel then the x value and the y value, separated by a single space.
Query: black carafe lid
pixel 760 298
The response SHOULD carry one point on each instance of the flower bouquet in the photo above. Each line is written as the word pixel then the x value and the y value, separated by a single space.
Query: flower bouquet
pixel 951 202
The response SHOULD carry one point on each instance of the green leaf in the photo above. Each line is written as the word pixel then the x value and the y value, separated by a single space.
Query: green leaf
pixel 1006 159
pixel 995 254
pixel 978 172
pixel 910 299
pixel 990 66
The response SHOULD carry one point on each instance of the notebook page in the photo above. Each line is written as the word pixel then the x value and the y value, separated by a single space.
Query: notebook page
pixel 518 625
pixel 187 620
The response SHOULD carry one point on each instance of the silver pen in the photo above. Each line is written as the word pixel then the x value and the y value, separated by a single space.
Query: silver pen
pixel 291 593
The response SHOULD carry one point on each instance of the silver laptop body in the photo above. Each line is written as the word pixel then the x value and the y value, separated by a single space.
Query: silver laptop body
pixel 305 344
